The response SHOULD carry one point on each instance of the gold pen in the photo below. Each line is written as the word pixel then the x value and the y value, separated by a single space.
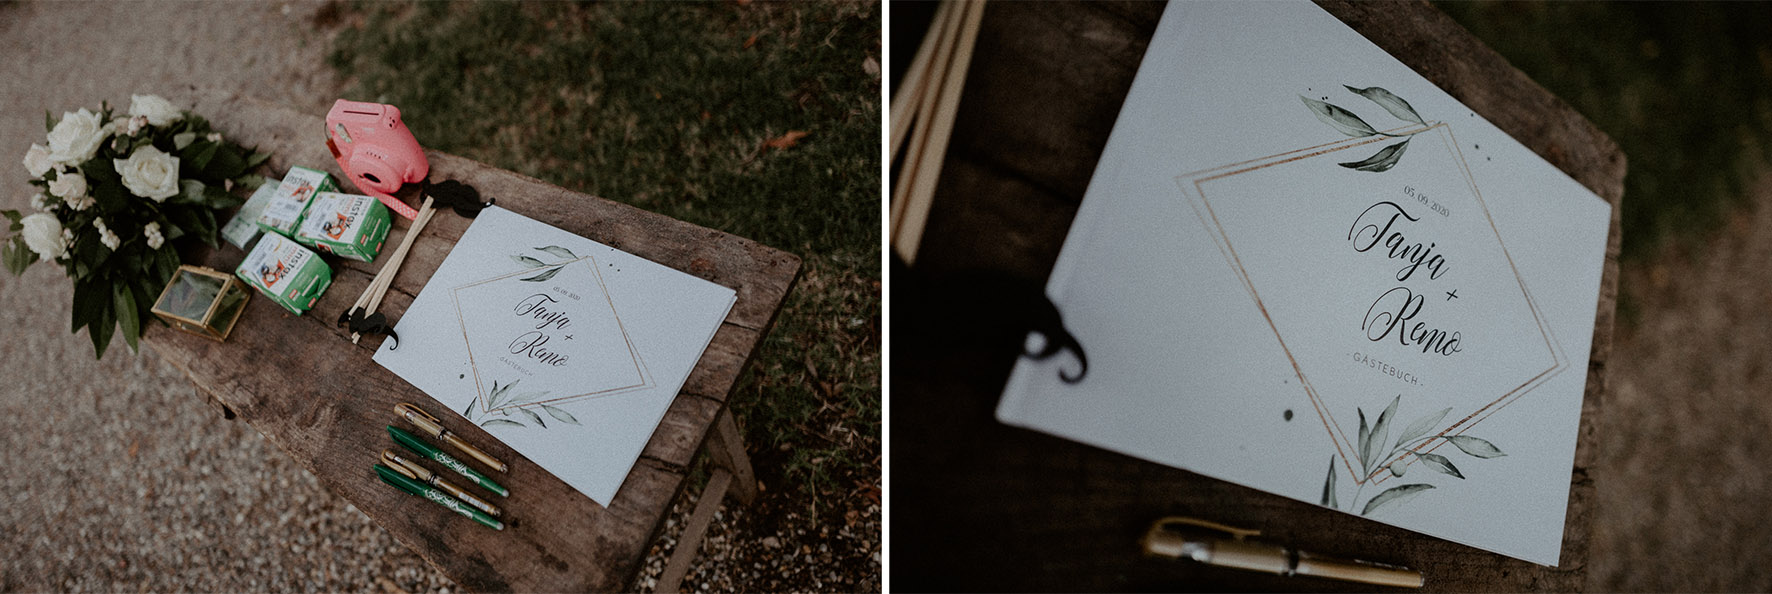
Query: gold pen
pixel 414 471
pixel 431 426
pixel 1230 547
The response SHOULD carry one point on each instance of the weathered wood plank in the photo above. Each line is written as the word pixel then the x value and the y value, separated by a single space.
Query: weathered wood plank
pixel 300 382
pixel 993 508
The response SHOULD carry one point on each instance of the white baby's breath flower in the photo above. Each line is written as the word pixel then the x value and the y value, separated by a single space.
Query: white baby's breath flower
pixel 69 185
pixel 105 235
pixel 152 233
pixel 37 160
pixel 149 173
pixel 82 203
pixel 158 110
pixel 44 235
pixel 214 137
pixel 37 201
pixel 76 138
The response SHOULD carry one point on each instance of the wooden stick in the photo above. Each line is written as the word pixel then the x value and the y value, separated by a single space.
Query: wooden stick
pixel 378 286
pixel 926 103
pixel 908 96
pixel 922 188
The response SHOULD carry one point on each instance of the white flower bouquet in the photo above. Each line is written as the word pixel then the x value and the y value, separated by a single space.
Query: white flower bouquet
pixel 112 193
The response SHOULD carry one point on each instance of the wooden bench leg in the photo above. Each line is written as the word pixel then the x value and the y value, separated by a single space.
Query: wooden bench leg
pixel 726 446
pixel 690 542
pixel 732 476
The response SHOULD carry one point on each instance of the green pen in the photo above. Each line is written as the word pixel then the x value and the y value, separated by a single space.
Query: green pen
pixel 393 477
pixel 418 446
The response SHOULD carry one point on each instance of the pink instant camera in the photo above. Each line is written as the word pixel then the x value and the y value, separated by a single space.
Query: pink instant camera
pixel 376 150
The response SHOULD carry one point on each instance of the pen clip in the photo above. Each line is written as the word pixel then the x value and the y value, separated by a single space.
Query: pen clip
pixel 406 467
pixel 420 418
pixel 1162 540
pixel 1234 532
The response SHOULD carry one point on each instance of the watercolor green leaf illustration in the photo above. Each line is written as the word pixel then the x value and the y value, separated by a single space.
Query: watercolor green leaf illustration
pixel 1350 124
pixel 552 269
pixel 1372 453
pixel 521 402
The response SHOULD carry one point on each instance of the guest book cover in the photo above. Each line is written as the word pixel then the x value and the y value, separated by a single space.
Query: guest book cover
pixel 1304 268
pixel 568 350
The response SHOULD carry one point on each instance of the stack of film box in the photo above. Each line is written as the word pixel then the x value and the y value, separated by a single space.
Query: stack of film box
pixel 305 212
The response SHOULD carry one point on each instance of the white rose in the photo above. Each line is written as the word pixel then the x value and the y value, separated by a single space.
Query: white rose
pixel 152 233
pixel 76 138
pixel 149 173
pixel 69 185
pixel 37 160
pixel 43 234
pixel 158 110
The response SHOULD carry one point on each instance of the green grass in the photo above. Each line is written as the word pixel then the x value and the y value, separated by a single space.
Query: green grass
pixel 668 107
pixel 1683 87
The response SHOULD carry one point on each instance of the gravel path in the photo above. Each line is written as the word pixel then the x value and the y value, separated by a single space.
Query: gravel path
pixel 119 475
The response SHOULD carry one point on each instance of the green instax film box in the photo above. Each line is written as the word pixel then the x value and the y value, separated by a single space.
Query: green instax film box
pixel 288 273
pixel 349 225
pixel 291 199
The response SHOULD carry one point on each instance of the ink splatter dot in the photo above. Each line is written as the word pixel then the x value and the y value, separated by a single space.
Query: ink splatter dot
pixel 1288 414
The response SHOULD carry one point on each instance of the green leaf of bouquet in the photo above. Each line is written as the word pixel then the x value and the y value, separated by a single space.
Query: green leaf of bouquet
pixel 1328 485
pixel 89 299
pixel 1339 118
pixel 12 215
pixel 256 159
pixel 1380 161
pixel 1420 427
pixel 190 191
pixel 225 163
pixel 528 262
pixel 90 253
pixel 126 314
pixel 249 182
pixel 543 276
pixel 1390 102
pixel 48 121
pixel 100 330
pixel 533 417
pixel 167 260
pixel 194 159
pixel 18 256
pixel 1440 463
pixel 218 198
pixel 1393 496
pixel 1381 431
pixel 1476 447
pixel 110 196
pixel 557 251
pixel 566 417
pixel 196 123
pixel 206 227
pixel 498 422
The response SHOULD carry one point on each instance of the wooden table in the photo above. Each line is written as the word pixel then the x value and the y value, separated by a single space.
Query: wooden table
pixel 978 506
pixel 301 382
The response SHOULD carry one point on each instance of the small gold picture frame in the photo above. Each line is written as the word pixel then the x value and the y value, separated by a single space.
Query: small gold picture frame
pixel 202 301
